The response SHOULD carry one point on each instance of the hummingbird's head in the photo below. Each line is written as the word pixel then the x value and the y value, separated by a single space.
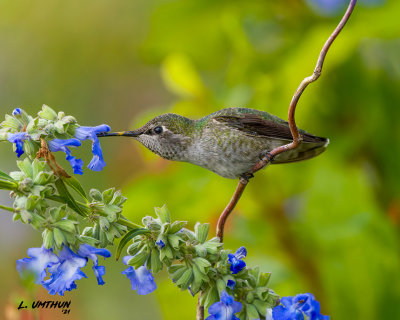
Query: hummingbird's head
pixel 167 135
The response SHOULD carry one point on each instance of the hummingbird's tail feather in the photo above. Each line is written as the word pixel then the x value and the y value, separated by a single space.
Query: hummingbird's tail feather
pixel 304 151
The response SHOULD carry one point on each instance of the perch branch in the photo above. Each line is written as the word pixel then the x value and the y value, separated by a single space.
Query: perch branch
pixel 291 119
pixel 227 211
pixel 200 308
pixel 293 129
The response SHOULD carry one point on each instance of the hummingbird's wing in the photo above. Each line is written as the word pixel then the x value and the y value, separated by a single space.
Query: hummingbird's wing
pixel 257 125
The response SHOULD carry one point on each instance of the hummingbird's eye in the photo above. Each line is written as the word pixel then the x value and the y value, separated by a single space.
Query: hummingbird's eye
pixel 158 130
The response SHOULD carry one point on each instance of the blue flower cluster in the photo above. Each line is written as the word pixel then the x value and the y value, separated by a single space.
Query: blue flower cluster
pixel 64 269
pixel 235 260
pixel 81 133
pixel 90 133
pixel 225 309
pixel 295 308
pixel 141 279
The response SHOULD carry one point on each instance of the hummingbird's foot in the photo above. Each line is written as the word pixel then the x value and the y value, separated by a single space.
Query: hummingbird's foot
pixel 266 156
pixel 245 177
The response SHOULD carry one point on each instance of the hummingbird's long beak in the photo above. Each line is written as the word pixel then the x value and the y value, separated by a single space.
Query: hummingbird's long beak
pixel 133 133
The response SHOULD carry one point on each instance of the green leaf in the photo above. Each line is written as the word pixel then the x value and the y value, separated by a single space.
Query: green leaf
pixel 177 226
pixel 7 185
pixel 75 184
pixel 201 231
pixel 128 237
pixel 37 167
pixel 66 225
pixel 156 264
pixel 140 258
pixel 26 167
pixel 48 238
pixel 108 195
pixel 47 113
pixel 185 280
pixel 5 176
pixel 252 312
pixel 163 214
pixel 96 195
pixel 64 193
pixel 59 238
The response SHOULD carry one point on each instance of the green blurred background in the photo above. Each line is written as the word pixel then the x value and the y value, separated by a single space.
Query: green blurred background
pixel 329 226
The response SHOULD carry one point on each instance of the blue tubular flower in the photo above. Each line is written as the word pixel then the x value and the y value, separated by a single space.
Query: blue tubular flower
pixel 231 284
pixel 90 252
pixel 18 138
pixel 40 259
pixel 141 279
pixel 294 308
pixel 235 260
pixel 83 133
pixel 64 274
pixel 160 244
pixel 16 111
pixel 62 145
pixel 224 309
pixel 310 306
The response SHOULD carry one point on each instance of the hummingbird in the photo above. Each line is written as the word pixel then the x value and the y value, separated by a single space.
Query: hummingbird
pixel 228 142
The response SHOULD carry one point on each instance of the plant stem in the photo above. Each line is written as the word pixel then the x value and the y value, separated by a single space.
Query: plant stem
pixel 7 185
pixel 229 208
pixel 291 118
pixel 200 309
pixel 7 208
pixel 128 223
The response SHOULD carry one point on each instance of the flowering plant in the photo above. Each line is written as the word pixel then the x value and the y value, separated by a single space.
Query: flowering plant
pixel 76 230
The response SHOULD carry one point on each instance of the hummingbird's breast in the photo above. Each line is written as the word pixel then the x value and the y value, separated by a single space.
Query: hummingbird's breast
pixel 225 151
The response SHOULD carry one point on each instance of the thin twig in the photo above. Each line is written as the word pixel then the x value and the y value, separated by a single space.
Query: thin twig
pixel 227 211
pixel 7 208
pixel 303 85
pixel 291 118
pixel 45 153
pixel 200 308
pixel 293 129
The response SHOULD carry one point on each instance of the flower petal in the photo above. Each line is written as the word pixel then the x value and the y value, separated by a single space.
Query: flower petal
pixel 141 279
pixel 16 111
pixel 83 133
pixel 41 258
pixel 241 253
pixel 63 275
pixel 87 251
pixel 231 284
pixel 146 282
pixel 18 138
pixel 224 309
pixel 62 145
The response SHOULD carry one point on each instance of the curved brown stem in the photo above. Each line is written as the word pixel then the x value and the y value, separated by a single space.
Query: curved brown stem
pixel 229 208
pixel 291 119
pixel 303 85
pixel 200 309
pixel 293 129
pixel 45 153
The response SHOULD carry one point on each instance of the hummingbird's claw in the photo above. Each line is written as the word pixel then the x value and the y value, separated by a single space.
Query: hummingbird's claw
pixel 246 177
pixel 267 156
